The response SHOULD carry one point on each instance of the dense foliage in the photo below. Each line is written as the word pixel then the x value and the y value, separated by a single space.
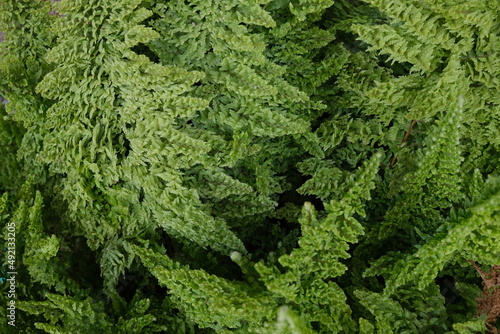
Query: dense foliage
pixel 263 166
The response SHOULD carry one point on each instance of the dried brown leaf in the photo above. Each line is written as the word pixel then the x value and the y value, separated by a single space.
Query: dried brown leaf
pixel 489 301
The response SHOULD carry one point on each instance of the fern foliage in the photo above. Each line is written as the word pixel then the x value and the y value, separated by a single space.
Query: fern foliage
pixel 264 166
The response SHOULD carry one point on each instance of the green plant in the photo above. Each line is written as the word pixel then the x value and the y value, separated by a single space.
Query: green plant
pixel 267 166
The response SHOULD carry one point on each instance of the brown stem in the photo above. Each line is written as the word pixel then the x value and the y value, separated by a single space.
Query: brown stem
pixel 405 138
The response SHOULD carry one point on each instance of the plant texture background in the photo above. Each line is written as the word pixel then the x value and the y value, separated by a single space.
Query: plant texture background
pixel 264 166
